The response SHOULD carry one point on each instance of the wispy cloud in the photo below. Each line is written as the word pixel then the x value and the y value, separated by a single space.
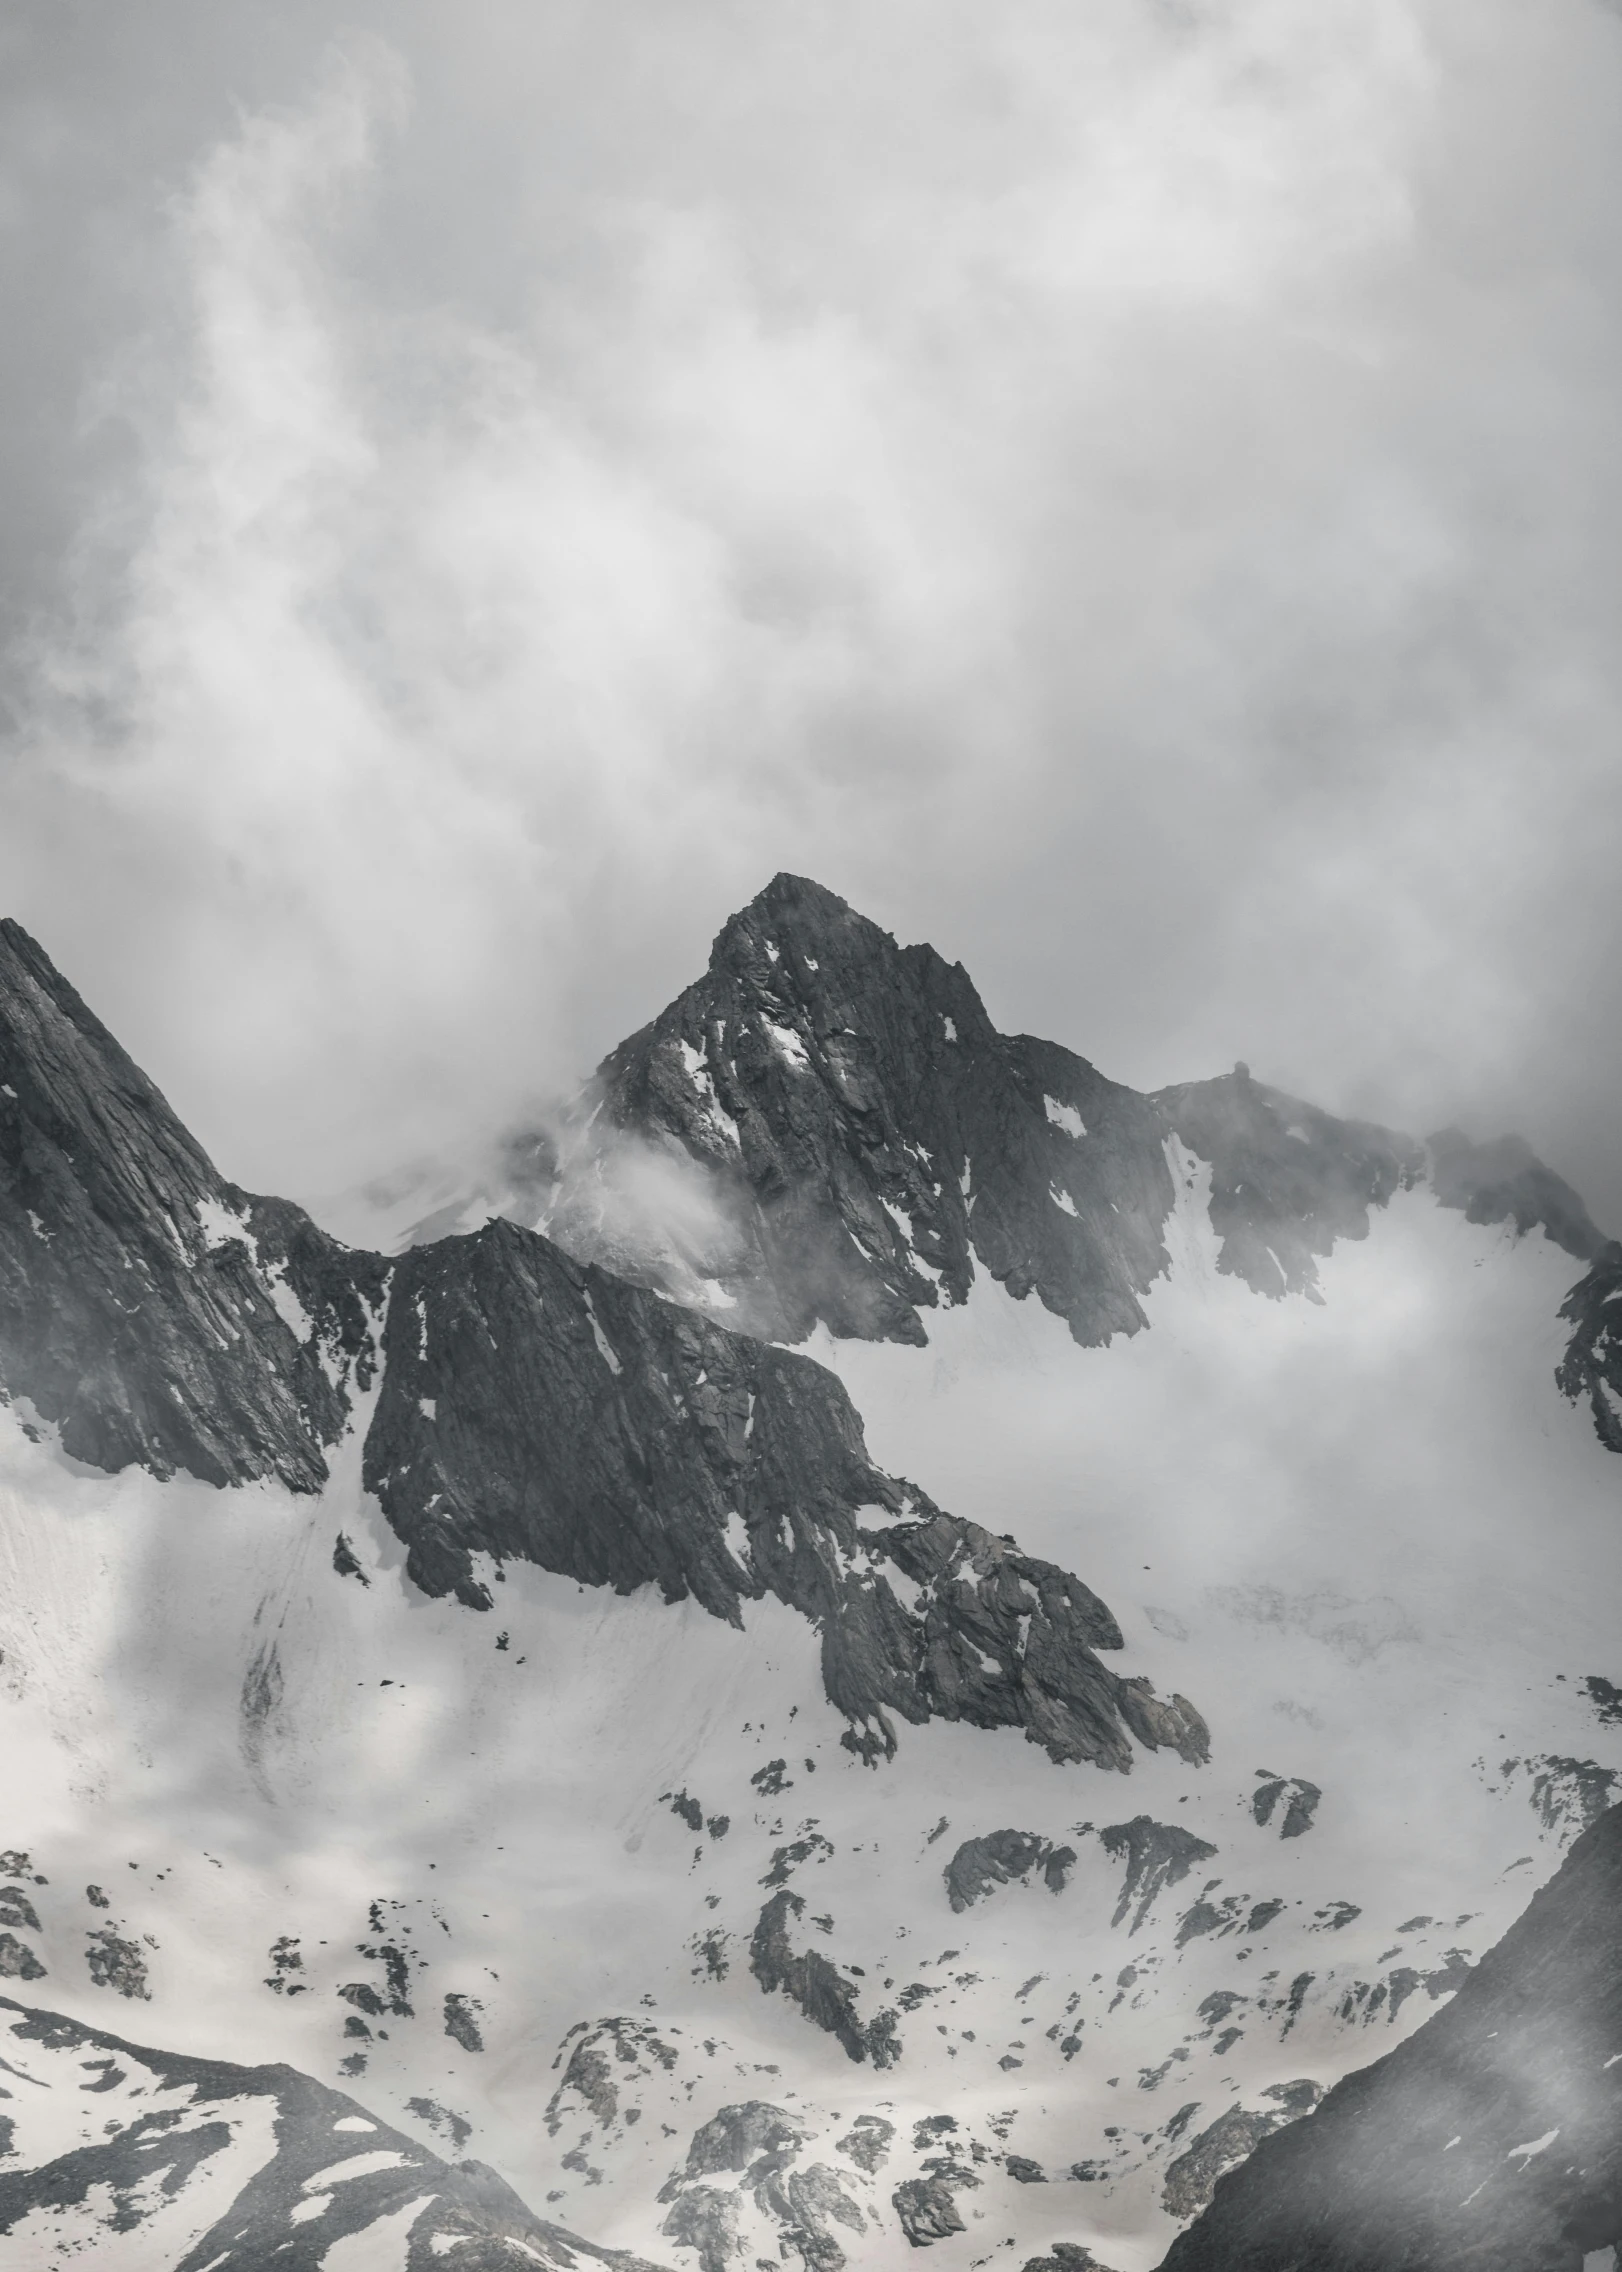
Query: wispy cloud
pixel 1128 493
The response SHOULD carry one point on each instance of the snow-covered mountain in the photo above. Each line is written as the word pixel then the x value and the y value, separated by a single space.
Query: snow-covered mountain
pixel 112 2150
pixel 680 1769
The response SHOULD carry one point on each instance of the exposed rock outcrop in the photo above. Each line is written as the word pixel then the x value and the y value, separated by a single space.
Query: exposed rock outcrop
pixel 1300 1799
pixel 17 1960
pixel 749 2151
pixel 1591 1369
pixel 876 1140
pixel 867 2143
pixel 1287 1180
pixel 807 1978
pixel 536 1408
pixel 927 2210
pixel 1191 2179
pixel 1001 1857
pixel 1157 1854
pixel 148 1309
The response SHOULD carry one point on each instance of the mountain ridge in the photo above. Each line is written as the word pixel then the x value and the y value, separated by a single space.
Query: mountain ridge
pixel 856 1069
pixel 491 1405
pixel 1385 2175
pixel 160 2125
pixel 505 1423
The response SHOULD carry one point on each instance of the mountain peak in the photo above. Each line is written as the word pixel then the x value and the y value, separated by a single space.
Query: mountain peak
pixel 798 934
pixel 139 1306
pixel 875 1140
pixel 873 1134
pixel 801 898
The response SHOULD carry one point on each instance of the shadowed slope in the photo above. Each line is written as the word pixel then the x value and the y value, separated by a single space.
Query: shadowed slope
pixel 1491 2141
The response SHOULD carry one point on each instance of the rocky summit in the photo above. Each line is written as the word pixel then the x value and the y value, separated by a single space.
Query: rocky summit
pixel 874 1140
pixel 996 1667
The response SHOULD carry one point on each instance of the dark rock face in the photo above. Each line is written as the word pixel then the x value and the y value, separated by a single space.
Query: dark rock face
pixel 116 1964
pixel 999 1858
pixel 758 2142
pixel 739 2136
pixel 532 1407
pixel 867 2142
pixel 1491 2139
pixel 808 2204
pixel 141 1297
pixel 873 1139
pixel 1591 1368
pixel 876 1136
pixel 536 1408
pixel 1234 1913
pixel 1191 2179
pixel 17 1909
pixel 806 1977
pixel 927 2210
pixel 1157 1854
pixel 17 1960
pixel 706 2219
pixel 1300 1805
pixel 133 2159
pixel 1287 1180
pixel 1568 1794
pixel 1505 1182
pixel 462 2015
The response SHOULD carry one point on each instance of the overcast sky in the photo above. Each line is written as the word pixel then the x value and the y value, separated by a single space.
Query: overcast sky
pixel 1130 492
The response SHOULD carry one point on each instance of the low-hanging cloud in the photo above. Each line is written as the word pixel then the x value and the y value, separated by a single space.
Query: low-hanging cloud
pixel 1130 494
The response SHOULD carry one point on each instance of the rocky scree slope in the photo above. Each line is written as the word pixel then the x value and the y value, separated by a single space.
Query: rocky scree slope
pixel 873 1140
pixel 120 2155
pixel 1491 2140
pixel 530 1407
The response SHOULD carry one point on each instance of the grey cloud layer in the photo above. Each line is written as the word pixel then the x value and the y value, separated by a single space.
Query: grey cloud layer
pixel 1129 494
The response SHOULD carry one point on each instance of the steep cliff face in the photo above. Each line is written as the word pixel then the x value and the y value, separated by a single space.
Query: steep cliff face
pixel 877 1137
pixel 150 1310
pixel 535 1408
pixel 1490 2139
pixel 132 2158
pixel 1287 1181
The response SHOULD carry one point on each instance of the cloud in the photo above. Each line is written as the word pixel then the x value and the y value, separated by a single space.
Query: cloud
pixel 1128 494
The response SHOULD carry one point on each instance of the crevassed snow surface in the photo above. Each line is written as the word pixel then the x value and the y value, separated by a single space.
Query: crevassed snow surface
pixel 1368 1539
